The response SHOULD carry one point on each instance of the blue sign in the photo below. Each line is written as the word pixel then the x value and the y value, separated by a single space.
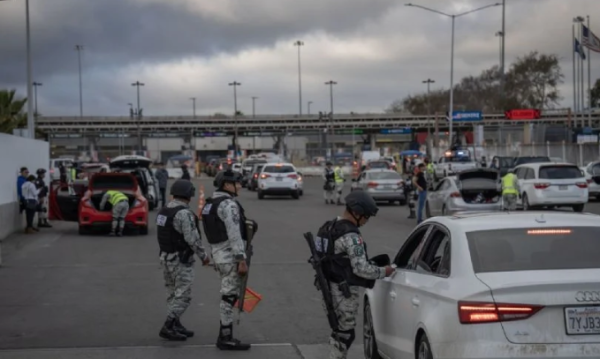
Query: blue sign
pixel 467 116
pixel 396 131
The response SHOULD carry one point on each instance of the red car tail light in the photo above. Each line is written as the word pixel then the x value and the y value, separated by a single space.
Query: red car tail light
pixel 264 175
pixel 255 175
pixel 455 195
pixel 581 184
pixel 478 312
pixel 541 185
pixel 294 176
pixel 372 184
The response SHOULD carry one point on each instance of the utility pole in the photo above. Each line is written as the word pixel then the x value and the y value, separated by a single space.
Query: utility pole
pixel 500 35
pixel 428 82
pixel 35 86
pixel 299 44
pixel 309 103
pixel 502 54
pixel 193 107
pixel 30 119
pixel 254 106
pixel 139 119
pixel 331 83
pixel 79 48
pixel 235 84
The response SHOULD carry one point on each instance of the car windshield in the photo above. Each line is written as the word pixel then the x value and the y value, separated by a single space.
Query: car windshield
pixel 279 169
pixel 250 163
pixel 459 159
pixel 379 164
pixel 526 249
pixel 531 159
pixel 560 172
pixel 596 169
pixel 384 176
pixel 505 162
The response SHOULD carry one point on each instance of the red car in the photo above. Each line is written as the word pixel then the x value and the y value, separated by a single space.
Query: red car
pixel 91 218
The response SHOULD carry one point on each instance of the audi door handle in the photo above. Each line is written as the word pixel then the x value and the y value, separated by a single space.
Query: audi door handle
pixel 393 295
pixel 416 301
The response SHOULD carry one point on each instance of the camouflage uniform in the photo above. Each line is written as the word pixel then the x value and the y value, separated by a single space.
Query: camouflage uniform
pixel 347 308
pixel 329 185
pixel 180 276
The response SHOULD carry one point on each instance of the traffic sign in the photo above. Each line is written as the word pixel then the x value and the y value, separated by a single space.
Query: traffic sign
pixel 527 114
pixel 396 131
pixel 466 116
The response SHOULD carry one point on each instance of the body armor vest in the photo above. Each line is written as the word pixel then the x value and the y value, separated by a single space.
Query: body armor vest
pixel 214 227
pixel 169 240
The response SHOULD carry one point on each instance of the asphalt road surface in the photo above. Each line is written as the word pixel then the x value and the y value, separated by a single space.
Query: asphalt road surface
pixel 70 296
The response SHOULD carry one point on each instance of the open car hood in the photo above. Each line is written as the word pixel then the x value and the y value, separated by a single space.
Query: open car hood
pixel 130 162
pixel 486 173
pixel 115 181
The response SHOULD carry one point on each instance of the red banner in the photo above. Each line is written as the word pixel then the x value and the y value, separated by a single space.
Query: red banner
pixel 529 114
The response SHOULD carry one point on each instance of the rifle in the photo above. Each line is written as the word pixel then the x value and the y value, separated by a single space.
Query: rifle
pixel 321 282
pixel 242 295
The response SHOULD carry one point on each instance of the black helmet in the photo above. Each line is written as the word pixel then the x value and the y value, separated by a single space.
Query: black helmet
pixel 328 163
pixel 183 189
pixel 361 203
pixel 226 176
pixel 40 171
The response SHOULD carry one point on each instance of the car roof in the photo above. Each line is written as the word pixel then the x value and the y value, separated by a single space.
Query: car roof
pixel 279 164
pixel 378 170
pixel 537 165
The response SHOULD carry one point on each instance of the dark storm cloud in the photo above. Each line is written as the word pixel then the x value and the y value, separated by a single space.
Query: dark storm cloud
pixel 116 33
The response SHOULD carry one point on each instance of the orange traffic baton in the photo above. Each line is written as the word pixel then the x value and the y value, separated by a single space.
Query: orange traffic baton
pixel 251 300
pixel 201 201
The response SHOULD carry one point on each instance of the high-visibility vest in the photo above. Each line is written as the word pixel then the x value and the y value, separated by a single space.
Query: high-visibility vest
pixel 116 197
pixel 509 182
pixel 430 168
pixel 338 175
pixel 73 173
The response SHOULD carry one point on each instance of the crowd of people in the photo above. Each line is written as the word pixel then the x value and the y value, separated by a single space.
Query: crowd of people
pixel 33 192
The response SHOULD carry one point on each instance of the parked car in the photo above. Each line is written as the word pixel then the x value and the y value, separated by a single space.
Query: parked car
pixel 378 164
pixel 279 179
pixel 551 185
pixel 473 190
pixel 504 164
pixel 54 168
pixel 382 185
pixel 592 175
pixel 253 179
pixel 521 160
pixel 91 218
pixel 490 285
pixel 139 166
pixel 452 163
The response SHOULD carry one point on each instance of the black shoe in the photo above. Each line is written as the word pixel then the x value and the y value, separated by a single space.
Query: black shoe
pixel 339 203
pixel 47 224
pixel 35 229
pixel 112 234
pixel 179 328
pixel 44 225
pixel 168 331
pixel 119 234
pixel 227 342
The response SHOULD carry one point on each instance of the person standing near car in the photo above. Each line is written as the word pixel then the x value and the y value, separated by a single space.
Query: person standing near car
pixel 224 224
pixel 162 176
pixel 42 210
pixel 24 173
pixel 420 184
pixel 185 174
pixel 30 196
pixel 179 239
pixel 120 207
pixel 329 186
pixel 339 184
pixel 510 191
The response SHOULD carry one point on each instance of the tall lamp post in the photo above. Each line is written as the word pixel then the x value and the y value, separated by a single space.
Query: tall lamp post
pixel 429 82
pixel 35 86
pixel 453 17
pixel 235 84
pixel 299 44
pixel 193 106
pixel 139 117
pixel 500 35
pixel 309 103
pixel 254 106
pixel 79 48
pixel 330 83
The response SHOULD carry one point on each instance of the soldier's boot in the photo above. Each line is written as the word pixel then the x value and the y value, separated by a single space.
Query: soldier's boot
pixel 168 331
pixel 179 328
pixel 339 203
pixel 227 342
pixel 47 224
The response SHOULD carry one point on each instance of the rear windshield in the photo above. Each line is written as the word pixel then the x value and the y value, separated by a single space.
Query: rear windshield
pixel 596 169
pixel 381 164
pixel 560 172
pixel 505 162
pixel 384 176
pixel 252 163
pixel 113 182
pixel 523 160
pixel 525 249
pixel 279 169
pixel 459 159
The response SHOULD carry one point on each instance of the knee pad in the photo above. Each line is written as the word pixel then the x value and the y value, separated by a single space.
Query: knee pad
pixel 229 299
pixel 345 337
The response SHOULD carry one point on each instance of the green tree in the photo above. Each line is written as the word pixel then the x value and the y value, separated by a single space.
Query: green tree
pixel 12 115
pixel 596 94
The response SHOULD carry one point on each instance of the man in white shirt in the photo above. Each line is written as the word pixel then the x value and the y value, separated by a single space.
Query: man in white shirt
pixel 30 195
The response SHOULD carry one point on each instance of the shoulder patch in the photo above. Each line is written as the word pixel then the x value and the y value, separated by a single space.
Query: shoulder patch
pixel 161 220
pixel 359 251
pixel 357 240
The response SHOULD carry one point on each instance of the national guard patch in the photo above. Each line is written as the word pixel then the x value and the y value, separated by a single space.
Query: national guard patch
pixel 161 220
pixel 357 240
pixel 359 251
pixel 206 209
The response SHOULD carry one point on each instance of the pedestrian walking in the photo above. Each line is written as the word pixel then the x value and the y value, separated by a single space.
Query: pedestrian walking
pixel 30 195
pixel 420 184
pixel 162 176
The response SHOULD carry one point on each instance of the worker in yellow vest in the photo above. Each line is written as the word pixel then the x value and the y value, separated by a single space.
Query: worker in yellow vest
pixel 120 207
pixel 429 169
pixel 510 191
pixel 339 184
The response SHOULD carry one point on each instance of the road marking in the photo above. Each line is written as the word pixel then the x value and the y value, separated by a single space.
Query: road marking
pixel 166 345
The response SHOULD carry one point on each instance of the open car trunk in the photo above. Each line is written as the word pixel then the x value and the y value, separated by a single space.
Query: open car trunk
pixel 97 198
pixel 122 182
pixel 480 186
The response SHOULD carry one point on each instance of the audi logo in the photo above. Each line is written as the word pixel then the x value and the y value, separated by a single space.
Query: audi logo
pixel 586 296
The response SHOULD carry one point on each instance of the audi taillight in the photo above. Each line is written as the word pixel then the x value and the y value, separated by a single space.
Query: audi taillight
pixel 372 184
pixel 294 176
pixel 255 175
pixel 455 195
pixel 581 184
pixel 264 175
pixel 541 185
pixel 481 312
pixel 589 181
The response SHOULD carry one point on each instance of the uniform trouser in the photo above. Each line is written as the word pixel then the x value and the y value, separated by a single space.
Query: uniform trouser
pixel 30 212
pixel 346 310
pixel 43 209
pixel 119 212
pixel 178 280
pixel 231 283
pixel 328 193
pixel 339 186
pixel 509 201
pixel 163 196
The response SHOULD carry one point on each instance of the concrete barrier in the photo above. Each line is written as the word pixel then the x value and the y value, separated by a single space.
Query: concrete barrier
pixel 17 152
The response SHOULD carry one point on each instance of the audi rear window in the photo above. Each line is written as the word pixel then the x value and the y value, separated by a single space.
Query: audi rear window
pixel 279 169
pixel 560 172
pixel 527 249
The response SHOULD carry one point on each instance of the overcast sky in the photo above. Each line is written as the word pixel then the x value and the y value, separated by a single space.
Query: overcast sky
pixel 377 51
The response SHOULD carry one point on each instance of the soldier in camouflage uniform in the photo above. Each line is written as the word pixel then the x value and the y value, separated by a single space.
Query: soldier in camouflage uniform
pixel 179 239
pixel 225 228
pixel 350 251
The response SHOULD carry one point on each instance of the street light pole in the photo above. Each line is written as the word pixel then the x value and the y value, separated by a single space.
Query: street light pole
pixel 309 103
pixel 500 35
pixel 428 82
pixel 30 119
pixel 35 86
pixel 503 53
pixel 235 84
pixel 331 83
pixel 453 17
pixel 193 107
pixel 299 44
pixel 254 106
pixel 79 48
pixel 139 119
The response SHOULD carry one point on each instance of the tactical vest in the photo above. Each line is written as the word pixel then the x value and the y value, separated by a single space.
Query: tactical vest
pixel 337 267
pixel 169 240
pixel 214 227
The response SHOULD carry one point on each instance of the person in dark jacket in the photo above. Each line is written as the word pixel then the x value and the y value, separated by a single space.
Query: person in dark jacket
pixel 24 173
pixel 162 176
pixel 185 174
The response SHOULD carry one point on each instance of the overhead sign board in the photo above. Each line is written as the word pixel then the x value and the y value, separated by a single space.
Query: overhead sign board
pixel 466 116
pixel 396 131
pixel 210 134
pixel 526 114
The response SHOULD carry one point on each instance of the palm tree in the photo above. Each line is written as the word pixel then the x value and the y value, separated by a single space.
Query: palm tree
pixel 12 115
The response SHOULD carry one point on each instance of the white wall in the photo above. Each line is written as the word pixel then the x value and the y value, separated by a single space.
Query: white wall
pixel 17 152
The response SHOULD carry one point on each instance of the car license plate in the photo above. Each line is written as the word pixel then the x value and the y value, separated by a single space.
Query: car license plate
pixel 582 320
pixel 279 179
pixel 563 187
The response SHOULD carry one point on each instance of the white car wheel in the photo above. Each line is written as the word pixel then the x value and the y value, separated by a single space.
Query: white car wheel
pixel 424 348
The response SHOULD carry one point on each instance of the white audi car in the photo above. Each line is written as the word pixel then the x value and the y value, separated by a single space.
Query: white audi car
pixel 490 285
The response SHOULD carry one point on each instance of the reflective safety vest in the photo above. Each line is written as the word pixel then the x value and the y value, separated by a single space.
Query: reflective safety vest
pixel 116 197
pixel 509 184
pixel 430 168
pixel 338 175
pixel 73 173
